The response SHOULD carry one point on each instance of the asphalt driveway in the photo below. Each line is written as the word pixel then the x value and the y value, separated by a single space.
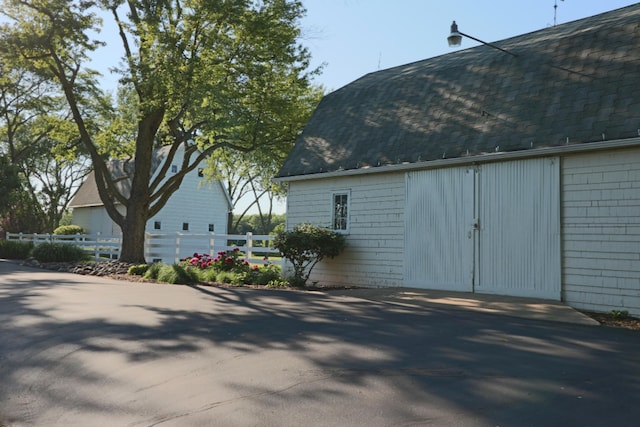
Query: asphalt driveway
pixel 86 351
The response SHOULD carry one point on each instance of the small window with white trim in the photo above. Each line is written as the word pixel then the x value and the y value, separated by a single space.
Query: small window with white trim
pixel 174 168
pixel 340 213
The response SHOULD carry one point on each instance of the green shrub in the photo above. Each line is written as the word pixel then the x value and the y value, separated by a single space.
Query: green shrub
pixel 261 275
pixel 152 271
pixel 69 229
pixel 305 246
pixel 176 274
pixel 58 252
pixel 228 277
pixel 278 283
pixel 15 249
pixel 138 270
pixel 208 275
pixel 619 314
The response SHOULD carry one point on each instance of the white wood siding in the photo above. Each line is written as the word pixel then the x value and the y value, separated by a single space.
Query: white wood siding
pixel 515 247
pixel 198 204
pixel 439 245
pixel 601 231
pixel 374 255
pixel 94 220
pixel 519 223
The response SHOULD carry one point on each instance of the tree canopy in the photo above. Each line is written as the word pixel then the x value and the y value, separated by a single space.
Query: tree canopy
pixel 40 142
pixel 198 76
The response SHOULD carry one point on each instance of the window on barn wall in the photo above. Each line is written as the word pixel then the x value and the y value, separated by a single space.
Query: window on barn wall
pixel 340 214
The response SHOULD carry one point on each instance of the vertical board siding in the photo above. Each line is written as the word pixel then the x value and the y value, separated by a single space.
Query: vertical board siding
pixel 601 231
pixel 374 253
pixel 519 239
pixel 438 233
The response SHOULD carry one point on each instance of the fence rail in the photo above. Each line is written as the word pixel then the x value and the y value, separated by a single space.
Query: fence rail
pixel 169 248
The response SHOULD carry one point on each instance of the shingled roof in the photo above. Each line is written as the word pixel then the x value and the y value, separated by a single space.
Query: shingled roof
pixel 121 171
pixel 575 83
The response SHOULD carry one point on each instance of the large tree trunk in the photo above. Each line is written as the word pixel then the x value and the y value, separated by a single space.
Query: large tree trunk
pixel 133 235
pixel 135 221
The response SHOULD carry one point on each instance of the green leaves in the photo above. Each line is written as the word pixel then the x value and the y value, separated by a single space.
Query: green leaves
pixel 305 246
pixel 9 182
pixel 217 73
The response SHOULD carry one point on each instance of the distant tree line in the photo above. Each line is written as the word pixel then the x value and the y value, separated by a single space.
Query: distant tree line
pixel 254 224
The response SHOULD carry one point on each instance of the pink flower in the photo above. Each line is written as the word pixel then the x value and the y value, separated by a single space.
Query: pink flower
pixel 236 249
pixel 255 267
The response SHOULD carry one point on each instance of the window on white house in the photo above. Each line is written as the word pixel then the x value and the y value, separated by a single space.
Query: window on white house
pixel 157 225
pixel 185 226
pixel 211 228
pixel 200 172
pixel 340 214
pixel 174 168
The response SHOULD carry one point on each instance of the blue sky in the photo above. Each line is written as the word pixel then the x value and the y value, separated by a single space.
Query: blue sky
pixel 355 37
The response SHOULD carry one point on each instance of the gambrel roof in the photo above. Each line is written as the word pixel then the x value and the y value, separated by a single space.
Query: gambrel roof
pixel 572 84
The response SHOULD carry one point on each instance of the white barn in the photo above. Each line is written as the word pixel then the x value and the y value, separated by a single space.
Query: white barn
pixel 199 206
pixel 480 171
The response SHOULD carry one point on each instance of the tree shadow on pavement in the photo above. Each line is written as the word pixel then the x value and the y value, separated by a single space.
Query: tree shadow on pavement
pixel 298 350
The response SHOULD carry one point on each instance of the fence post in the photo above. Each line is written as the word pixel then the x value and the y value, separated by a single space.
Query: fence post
pixel 20 238
pixel 177 257
pixel 147 245
pixel 96 249
pixel 212 244
pixel 249 245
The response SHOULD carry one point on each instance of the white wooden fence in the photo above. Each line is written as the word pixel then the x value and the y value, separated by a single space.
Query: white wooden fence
pixel 168 248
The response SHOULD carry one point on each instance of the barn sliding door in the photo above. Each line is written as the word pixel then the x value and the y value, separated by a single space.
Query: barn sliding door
pixel 519 229
pixel 494 228
pixel 438 229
